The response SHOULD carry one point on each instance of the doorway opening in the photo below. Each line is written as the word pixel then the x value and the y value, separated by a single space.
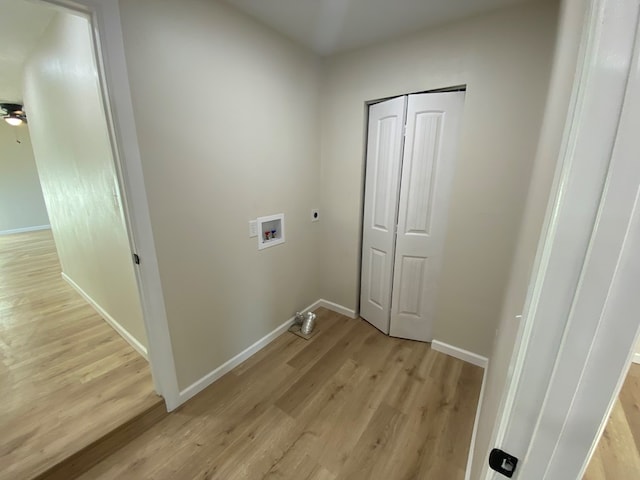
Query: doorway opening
pixel 74 339
pixel 410 155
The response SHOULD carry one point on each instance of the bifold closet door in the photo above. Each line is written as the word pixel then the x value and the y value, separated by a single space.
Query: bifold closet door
pixel 433 124
pixel 382 183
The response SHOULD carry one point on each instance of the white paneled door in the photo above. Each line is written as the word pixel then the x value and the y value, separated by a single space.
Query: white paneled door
pixel 382 184
pixel 433 121
pixel 426 172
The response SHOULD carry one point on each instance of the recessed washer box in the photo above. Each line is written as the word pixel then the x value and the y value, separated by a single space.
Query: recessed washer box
pixel 270 230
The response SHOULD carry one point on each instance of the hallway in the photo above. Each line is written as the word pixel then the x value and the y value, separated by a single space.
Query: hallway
pixel 67 378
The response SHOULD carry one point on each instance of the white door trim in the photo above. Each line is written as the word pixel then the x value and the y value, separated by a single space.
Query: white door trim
pixel 526 426
pixel 603 324
pixel 107 30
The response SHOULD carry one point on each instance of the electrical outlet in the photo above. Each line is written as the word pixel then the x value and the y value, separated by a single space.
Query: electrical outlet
pixel 315 215
pixel 253 228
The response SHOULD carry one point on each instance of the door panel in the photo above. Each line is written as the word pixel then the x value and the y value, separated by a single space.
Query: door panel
pixel 422 174
pixel 433 121
pixel 377 263
pixel 384 155
pixel 411 279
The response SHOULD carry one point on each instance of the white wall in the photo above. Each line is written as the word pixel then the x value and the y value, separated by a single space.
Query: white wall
pixel 77 171
pixel 227 122
pixel 557 103
pixel 504 58
pixel 21 202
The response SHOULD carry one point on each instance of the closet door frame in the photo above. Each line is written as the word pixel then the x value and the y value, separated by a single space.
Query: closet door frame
pixel 368 105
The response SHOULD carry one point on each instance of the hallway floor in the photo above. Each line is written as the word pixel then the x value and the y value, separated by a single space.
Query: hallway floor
pixel 67 378
pixel 617 456
pixel 351 403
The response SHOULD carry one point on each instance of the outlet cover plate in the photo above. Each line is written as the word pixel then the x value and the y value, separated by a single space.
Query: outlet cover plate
pixel 253 228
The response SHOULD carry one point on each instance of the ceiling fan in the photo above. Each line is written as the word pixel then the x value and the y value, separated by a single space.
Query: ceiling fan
pixel 13 114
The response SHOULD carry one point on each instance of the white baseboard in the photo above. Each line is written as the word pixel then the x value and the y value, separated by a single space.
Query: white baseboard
pixel 636 358
pixel 456 352
pixel 313 306
pixel 141 349
pixel 347 312
pixel 229 365
pixel 199 385
pixel 467 474
pixel 25 229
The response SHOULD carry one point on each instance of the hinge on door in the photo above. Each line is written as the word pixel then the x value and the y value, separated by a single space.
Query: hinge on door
pixel 404 130
pixel 502 462
pixel 136 259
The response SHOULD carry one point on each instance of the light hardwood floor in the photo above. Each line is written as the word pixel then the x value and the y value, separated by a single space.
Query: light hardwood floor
pixel 617 456
pixel 66 377
pixel 351 403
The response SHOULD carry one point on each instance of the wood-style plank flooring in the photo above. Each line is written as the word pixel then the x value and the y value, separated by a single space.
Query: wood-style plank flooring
pixel 617 456
pixel 351 403
pixel 66 377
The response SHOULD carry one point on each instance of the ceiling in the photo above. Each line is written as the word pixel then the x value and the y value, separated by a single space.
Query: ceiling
pixel 332 26
pixel 21 25
pixel 324 26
